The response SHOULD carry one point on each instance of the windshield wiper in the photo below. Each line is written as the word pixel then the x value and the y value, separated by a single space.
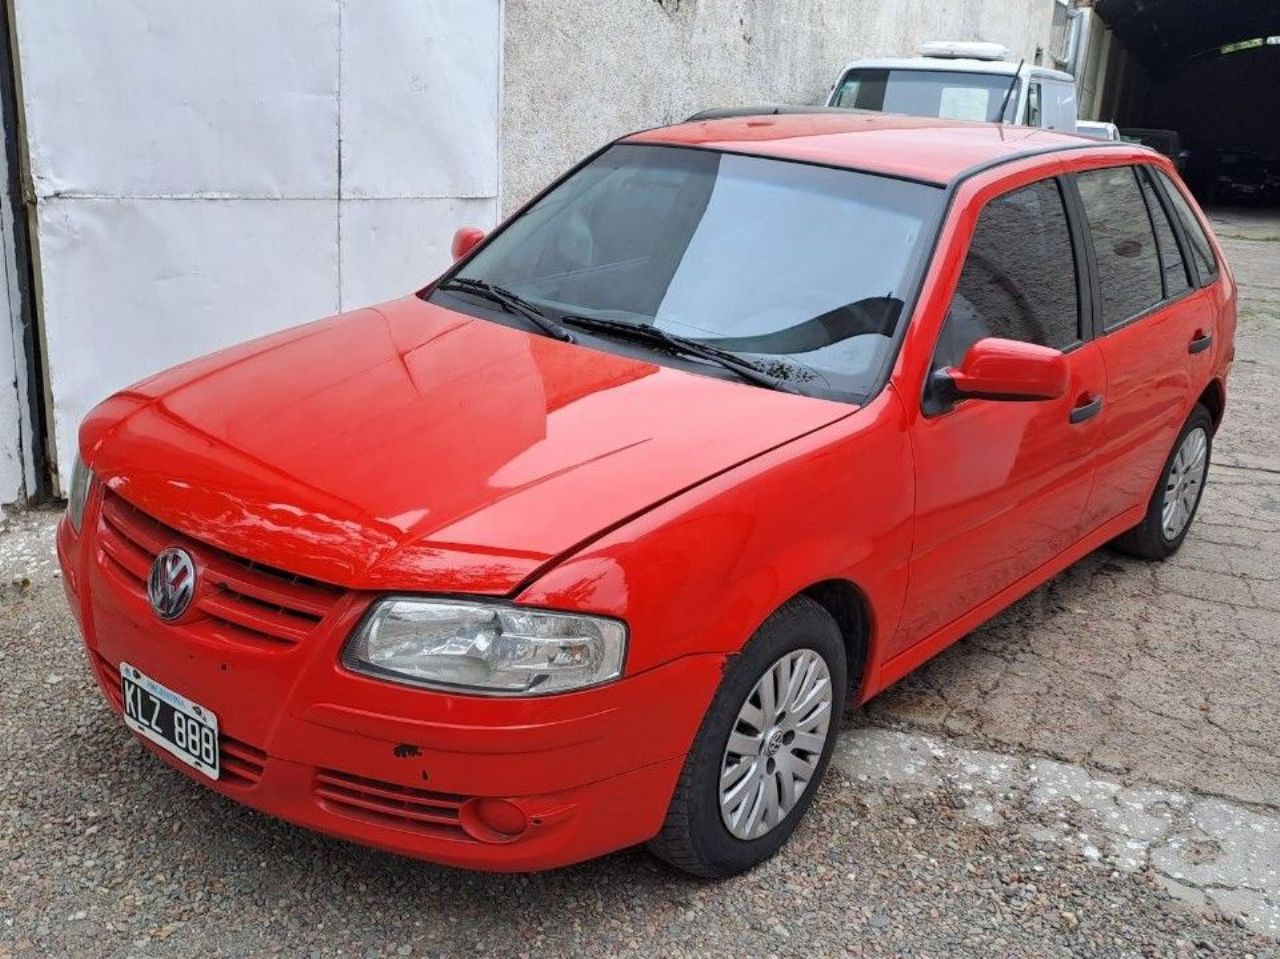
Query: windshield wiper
pixel 510 302
pixel 645 333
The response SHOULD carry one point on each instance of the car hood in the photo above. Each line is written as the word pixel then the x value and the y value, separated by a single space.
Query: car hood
pixel 411 447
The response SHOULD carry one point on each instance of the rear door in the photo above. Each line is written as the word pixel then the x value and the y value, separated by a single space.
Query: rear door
pixel 1000 486
pixel 1150 322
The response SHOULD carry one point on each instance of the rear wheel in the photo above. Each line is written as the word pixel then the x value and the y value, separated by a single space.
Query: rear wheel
pixel 1176 498
pixel 763 746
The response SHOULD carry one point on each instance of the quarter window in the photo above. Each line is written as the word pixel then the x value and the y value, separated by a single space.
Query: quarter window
pixel 1019 278
pixel 1201 249
pixel 1173 269
pixel 1129 274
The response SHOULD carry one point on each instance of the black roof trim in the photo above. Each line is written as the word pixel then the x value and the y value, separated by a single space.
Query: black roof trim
pixel 726 113
pixel 765 110
pixel 994 162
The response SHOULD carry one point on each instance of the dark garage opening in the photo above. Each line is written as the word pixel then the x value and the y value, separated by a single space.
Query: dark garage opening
pixel 1210 70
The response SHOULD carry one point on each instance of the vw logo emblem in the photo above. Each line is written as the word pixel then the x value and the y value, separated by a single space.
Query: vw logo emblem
pixel 172 583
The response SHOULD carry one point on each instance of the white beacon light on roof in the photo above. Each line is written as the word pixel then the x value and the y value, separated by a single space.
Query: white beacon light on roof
pixel 957 49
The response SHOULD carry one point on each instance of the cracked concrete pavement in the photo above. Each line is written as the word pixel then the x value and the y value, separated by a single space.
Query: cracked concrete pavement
pixel 1095 772
pixel 1208 853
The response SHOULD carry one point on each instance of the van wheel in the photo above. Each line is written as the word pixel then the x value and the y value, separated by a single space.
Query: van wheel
pixel 763 746
pixel 1177 496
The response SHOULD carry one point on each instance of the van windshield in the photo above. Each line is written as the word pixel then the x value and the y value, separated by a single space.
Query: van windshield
pixel 951 94
pixel 801 270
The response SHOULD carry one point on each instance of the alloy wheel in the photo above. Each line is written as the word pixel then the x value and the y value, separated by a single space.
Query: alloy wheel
pixel 1182 488
pixel 776 743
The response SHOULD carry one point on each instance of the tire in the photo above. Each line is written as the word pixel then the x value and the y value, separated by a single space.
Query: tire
pixel 1152 539
pixel 696 836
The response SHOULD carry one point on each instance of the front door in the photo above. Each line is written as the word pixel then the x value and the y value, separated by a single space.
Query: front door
pixel 1000 485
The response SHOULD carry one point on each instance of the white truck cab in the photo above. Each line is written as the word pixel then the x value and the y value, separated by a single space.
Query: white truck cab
pixel 962 81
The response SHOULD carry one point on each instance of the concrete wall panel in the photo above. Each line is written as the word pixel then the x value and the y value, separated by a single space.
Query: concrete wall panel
pixel 154 98
pixel 212 170
pixel 580 72
pixel 392 247
pixel 134 285
pixel 420 87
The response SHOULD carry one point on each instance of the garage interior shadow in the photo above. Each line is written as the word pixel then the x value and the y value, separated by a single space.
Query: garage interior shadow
pixel 1210 72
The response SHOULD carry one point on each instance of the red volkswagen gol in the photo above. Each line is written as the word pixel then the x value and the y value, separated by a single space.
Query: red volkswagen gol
pixel 588 543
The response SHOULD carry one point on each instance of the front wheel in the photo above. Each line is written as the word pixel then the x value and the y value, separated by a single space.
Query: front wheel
pixel 763 746
pixel 1176 498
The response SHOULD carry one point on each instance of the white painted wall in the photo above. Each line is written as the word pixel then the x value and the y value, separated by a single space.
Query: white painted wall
pixel 211 170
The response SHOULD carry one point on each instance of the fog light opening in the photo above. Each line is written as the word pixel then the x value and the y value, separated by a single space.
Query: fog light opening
pixel 493 820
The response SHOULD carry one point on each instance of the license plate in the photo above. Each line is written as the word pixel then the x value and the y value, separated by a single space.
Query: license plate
pixel 170 720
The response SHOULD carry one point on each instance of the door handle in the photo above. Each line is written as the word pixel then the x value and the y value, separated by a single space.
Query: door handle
pixel 1200 342
pixel 1086 410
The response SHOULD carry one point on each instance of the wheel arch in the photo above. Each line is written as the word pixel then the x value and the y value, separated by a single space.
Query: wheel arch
pixel 1214 399
pixel 850 608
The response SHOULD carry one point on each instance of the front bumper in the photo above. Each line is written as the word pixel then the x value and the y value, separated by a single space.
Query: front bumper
pixel 476 782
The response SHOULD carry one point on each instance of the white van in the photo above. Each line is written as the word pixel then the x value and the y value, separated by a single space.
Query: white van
pixel 963 81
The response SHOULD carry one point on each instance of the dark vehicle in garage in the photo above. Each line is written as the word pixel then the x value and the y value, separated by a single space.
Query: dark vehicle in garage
pixel 1236 176
pixel 1168 142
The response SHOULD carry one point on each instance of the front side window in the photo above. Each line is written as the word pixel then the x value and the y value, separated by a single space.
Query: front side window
pixel 1201 249
pixel 1128 259
pixel 1019 277
pixel 952 94
pixel 799 268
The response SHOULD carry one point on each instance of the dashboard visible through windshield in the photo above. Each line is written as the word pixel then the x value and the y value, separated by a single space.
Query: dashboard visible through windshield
pixel 801 271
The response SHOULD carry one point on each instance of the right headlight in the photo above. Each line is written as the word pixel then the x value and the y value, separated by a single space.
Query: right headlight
pixel 78 493
pixel 486 648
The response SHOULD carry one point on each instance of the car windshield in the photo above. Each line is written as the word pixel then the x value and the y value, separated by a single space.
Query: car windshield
pixel 953 94
pixel 798 269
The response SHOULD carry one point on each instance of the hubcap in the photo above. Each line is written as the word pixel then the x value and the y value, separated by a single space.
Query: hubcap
pixel 776 742
pixel 1182 488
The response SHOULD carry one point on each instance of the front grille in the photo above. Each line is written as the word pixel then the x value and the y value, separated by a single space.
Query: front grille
pixel 242 764
pixel 389 804
pixel 241 600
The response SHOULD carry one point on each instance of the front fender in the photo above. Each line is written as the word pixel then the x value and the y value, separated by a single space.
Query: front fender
pixel 701 572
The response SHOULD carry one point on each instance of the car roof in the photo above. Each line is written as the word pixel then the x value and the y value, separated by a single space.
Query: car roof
pixel 916 148
pixel 958 65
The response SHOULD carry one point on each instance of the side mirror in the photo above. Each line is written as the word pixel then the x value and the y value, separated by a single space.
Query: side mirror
pixel 996 369
pixel 465 240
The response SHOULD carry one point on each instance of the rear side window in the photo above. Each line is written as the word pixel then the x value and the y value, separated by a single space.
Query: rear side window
pixel 1019 277
pixel 1173 269
pixel 1201 250
pixel 1129 274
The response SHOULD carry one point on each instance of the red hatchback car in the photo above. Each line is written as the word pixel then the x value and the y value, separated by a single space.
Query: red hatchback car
pixel 588 543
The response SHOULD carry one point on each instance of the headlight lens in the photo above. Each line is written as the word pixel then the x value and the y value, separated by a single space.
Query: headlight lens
pixel 486 648
pixel 78 494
